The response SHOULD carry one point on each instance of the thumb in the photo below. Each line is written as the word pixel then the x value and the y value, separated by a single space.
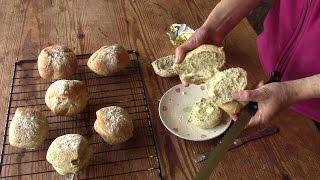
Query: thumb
pixel 246 95
pixel 187 46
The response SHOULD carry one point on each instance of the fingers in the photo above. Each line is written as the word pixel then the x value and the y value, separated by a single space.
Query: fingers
pixel 234 117
pixel 258 119
pixel 255 120
pixel 180 55
pixel 187 46
pixel 246 95
pixel 261 83
pixel 183 81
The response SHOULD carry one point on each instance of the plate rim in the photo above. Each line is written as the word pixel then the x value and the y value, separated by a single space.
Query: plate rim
pixel 176 134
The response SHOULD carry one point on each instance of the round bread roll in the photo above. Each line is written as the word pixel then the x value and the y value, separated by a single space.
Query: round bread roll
pixel 28 128
pixel 221 87
pixel 163 66
pixel 205 114
pixel 69 153
pixel 113 124
pixel 56 62
pixel 201 64
pixel 66 97
pixel 109 60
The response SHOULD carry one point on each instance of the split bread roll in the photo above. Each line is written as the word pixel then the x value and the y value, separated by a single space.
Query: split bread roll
pixel 69 154
pixel 201 64
pixel 109 60
pixel 223 84
pixel 164 66
pixel 28 128
pixel 113 124
pixel 67 97
pixel 56 62
pixel 205 114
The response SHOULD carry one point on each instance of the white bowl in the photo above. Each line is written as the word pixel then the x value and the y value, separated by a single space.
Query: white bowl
pixel 174 109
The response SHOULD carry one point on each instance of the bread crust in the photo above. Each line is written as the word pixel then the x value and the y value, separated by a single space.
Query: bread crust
pixel 113 124
pixel 28 128
pixel 69 154
pixel 56 62
pixel 67 97
pixel 109 60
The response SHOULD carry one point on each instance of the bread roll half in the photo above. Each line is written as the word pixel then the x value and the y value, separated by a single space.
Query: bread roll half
pixel 164 66
pixel 201 64
pixel 205 114
pixel 223 84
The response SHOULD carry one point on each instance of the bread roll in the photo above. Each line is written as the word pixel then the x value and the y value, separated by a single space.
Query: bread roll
pixel 66 97
pixel 201 64
pixel 223 84
pixel 69 154
pixel 205 114
pixel 163 66
pixel 109 60
pixel 56 62
pixel 114 125
pixel 28 128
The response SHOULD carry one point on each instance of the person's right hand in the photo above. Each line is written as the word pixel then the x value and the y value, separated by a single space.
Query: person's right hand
pixel 203 35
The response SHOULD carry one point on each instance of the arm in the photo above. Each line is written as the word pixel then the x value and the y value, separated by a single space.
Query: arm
pixel 223 18
pixel 274 97
pixel 305 88
pixel 227 14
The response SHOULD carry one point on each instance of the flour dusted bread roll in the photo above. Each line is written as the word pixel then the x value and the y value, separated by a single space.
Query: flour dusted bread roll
pixel 56 62
pixel 205 114
pixel 201 64
pixel 113 124
pixel 66 97
pixel 109 60
pixel 28 128
pixel 164 66
pixel 69 153
pixel 223 84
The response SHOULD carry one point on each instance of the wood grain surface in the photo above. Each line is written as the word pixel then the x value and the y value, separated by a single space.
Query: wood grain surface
pixel 27 26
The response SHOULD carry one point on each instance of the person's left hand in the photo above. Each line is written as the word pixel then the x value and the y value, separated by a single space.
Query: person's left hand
pixel 271 99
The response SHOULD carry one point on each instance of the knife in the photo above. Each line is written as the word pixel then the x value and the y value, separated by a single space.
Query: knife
pixel 240 141
pixel 221 149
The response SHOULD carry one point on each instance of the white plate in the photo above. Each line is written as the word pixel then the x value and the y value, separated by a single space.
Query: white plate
pixel 174 108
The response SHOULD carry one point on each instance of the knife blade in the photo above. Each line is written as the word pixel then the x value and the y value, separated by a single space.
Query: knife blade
pixel 240 141
pixel 221 149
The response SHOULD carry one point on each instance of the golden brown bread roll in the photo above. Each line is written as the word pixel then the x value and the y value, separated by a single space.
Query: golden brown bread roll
pixel 109 60
pixel 56 62
pixel 28 128
pixel 66 97
pixel 113 124
pixel 69 153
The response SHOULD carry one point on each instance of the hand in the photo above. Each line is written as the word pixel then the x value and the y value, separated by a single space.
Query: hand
pixel 203 35
pixel 271 99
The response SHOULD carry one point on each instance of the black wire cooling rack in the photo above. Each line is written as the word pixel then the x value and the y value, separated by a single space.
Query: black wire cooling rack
pixel 134 159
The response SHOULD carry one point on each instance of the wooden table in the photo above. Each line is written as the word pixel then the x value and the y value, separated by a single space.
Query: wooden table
pixel 28 26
